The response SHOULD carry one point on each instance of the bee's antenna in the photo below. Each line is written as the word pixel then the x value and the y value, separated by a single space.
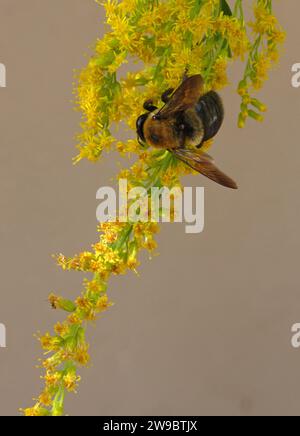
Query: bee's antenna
pixel 148 106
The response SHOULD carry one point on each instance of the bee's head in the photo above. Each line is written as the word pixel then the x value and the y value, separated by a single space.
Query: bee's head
pixel 158 132
pixel 150 132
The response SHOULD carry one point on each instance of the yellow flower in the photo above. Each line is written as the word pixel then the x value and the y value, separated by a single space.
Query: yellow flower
pixel 132 261
pixel 46 398
pixel 70 381
pixel 82 303
pixel 262 66
pixel 74 318
pixel 150 244
pixel 103 303
pixel 81 356
pixel 220 73
pixel 49 343
pixel 265 22
pixel 61 329
pixel 52 378
pixel 110 7
pixel 232 30
pixel 35 411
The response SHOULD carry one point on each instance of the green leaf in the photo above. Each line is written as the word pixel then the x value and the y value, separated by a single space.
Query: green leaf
pixel 195 10
pixel 105 59
pixel 188 38
pixel 225 8
pixel 67 305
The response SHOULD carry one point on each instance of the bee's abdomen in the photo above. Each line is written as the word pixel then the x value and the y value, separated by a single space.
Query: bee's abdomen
pixel 210 109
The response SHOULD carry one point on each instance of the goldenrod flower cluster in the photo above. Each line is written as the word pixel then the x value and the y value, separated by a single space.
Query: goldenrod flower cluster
pixel 263 54
pixel 166 39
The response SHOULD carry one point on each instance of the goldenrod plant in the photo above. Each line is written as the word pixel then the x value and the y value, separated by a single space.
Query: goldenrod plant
pixel 166 38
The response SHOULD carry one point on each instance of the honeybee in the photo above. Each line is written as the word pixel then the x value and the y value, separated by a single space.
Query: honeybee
pixel 188 119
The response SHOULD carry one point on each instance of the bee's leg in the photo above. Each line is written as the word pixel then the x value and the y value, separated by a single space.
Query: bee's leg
pixel 148 106
pixel 142 144
pixel 166 96
pixel 185 74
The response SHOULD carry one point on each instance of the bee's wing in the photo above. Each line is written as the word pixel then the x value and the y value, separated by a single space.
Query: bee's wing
pixel 204 164
pixel 186 95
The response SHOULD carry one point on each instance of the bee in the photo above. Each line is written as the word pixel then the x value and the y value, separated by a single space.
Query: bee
pixel 187 119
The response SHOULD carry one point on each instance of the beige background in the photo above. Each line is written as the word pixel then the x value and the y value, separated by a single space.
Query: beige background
pixel 206 327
